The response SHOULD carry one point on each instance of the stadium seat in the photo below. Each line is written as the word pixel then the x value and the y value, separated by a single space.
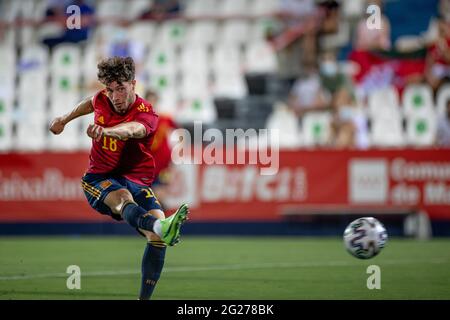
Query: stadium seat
pixel 194 84
pixel 265 7
pixel 421 129
pixel 229 85
pixel 227 58
pixel 195 59
pixel 316 128
pixel 417 99
pixel 196 109
pixel 32 91
pixel 68 140
pixel 168 103
pixel 443 96
pixel 107 9
pixel 260 58
pixel 143 31
pixel 84 142
pixel 135 8
pixel 195 8
pixel 32 132
pixel 387 130
pixel 202 32
pixel 171 33
pixel 7 72
pixel 91 56
pixel 383 102
pixel 234 31
pixel 163 59
pixel 66 60
pixel 6 130
pixel 287 124
pixel 163 83
pixel 233 7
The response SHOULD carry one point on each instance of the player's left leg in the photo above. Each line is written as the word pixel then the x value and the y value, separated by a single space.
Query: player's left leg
pixel 154 254
pixel 152 260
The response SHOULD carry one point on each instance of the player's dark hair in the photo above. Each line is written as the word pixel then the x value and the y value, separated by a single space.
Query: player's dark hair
pixel 117 69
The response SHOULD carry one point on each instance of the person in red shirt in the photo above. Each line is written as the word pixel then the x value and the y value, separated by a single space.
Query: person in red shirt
pixel 121 166
pixel 161 148
pixel 437 68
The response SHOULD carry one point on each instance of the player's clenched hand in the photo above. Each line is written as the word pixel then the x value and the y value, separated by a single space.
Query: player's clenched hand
pixel 95 132
pixel 57 125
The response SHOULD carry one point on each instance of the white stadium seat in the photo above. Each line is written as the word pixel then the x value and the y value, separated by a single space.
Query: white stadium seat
pixel 162 60
pixel 260 57
pixel 66 60
pixel 201 7
pixel 265 7
pixel 195 59
pixel 227 58
pixel 384 101
pixel 110 9
pixel 421 129
pixel 171 33
pixel 316 128
pixel 143 32
pixel 387 129
pixel 194 84
pixel 196 109
pixel 417 99
pixel 6 140
pixel 285 121
pixel 229 85
pixel 32 132
pixel 234 31
pixel 202 32
pixel 233 7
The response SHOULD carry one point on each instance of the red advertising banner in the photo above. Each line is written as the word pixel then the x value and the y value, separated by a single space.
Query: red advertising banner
pixel 44 187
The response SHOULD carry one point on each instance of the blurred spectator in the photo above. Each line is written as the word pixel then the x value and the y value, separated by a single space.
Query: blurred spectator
pixel 163 9
pixel 332 78
pixel 373 39
pixel 56 13
pixel 297 43
pixel 432 33
pixel 438 57
pixel 350 128
pixel 307 93
pixel 443 129
pixel 161 149
pixel 330 16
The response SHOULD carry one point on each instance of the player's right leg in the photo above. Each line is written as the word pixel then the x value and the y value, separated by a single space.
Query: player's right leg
pixel 121 202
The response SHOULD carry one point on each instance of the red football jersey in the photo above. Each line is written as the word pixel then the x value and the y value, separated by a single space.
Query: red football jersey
pixel 132 158
pixel 161 150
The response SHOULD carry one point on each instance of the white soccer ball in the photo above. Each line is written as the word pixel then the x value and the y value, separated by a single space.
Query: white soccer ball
pixel 365 237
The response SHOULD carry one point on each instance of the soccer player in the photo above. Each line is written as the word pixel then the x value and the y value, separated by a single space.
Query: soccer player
pixel 121 167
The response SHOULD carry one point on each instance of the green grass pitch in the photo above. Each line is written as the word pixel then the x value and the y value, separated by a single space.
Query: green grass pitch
pixel 223 268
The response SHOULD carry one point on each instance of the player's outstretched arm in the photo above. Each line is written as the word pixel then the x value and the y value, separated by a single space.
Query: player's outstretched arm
pixel 83 108
pixel 123 131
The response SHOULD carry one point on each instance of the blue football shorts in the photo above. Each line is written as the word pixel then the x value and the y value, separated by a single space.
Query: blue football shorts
pixel 97 186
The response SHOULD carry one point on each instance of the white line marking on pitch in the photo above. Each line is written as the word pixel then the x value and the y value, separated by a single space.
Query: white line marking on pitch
pixel 213 268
